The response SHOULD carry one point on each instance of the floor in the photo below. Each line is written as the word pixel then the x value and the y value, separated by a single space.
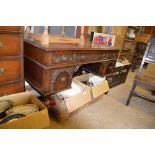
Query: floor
pixel 110 112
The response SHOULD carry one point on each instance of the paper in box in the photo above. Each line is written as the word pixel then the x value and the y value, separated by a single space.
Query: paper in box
pixel 96 90
pixel 75 101
pixel 65 106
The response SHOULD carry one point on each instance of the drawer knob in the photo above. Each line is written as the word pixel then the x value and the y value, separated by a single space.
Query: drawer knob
pixel 1 71
pixel 63 79
pixel 1 44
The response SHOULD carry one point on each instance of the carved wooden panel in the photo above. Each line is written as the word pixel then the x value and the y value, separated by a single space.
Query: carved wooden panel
pixel 62 58
pixel 95 56
pixel 61 78
pixel 86 56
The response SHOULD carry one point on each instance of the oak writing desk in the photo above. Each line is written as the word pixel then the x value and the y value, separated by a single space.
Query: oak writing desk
pixel 49 69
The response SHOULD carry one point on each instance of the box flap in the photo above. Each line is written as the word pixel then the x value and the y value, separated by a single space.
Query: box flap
pixel 18 99
pixel 100 89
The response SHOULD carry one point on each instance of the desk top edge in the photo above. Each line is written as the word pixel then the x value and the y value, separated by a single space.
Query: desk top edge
pixel 67 46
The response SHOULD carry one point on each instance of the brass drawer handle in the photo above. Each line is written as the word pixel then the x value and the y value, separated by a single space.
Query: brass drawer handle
pixel 1 71
pixel 1 44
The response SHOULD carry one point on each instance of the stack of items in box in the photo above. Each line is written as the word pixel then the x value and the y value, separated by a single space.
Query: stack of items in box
pixel 84 89
pixel 22 110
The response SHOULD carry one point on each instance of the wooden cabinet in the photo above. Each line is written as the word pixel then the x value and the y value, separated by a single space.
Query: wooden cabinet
pixel 11 60
pixel 50 69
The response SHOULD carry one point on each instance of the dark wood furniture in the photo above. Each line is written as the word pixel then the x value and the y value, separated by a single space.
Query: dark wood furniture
pixel 11 60
pixel 118 76
pixel 50 69
pixel 143 80
pixel 142 42
pixel 138 55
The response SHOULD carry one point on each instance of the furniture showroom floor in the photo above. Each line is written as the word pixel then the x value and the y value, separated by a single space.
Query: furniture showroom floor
pixel 109 111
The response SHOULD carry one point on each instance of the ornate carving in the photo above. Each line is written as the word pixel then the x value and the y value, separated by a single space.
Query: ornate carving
pixel 89 56
pixel 61 79
pixel 62 58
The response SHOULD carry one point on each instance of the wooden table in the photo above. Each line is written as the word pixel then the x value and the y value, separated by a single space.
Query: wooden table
pixel 50 69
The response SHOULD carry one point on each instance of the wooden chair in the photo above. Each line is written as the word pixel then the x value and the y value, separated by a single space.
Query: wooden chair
pixel 143 80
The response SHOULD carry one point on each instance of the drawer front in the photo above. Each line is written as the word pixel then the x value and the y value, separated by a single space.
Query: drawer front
pixel 95 56
pixel 10 45
pixel 61 79
pixel 12 88
pixel 10 70
pixel 87 56
pixel 61 57
pixel 10 28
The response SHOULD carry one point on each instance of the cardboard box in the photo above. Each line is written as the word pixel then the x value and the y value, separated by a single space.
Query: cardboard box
pixel 36 120
pixel 64 106
pixel 78 100
pixel 97 90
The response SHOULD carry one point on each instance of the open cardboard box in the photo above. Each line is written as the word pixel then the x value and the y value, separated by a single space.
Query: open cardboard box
pixel 35 120
pixel 80 99
pixel 98 89
pixel 65 106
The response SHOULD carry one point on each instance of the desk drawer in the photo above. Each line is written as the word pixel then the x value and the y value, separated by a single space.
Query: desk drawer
pixel 10 70
pixel 10 28
pixel 47 81
pixel 12 88
pixel 10 45
pixel 62 57
pixel 87 56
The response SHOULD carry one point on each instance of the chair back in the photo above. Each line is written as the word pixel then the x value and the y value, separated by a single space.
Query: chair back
pixel 149 55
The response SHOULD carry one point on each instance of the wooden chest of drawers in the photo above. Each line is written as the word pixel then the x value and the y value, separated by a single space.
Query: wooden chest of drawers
pixel 11 60
pixel 50 69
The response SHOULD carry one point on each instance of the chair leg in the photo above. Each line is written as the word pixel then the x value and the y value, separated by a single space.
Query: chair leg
pixel 131 94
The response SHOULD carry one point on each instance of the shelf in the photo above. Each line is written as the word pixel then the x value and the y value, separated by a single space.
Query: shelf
pixel 130 40
pixel 135 27
pixel 126 53
pixel 126 49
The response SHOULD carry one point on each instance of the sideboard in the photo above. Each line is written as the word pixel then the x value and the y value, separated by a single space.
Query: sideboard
pixel 49 69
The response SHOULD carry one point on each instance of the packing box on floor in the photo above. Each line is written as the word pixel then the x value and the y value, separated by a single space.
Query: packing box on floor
pixel 70 100
pixel 99 87
pixel 38 119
